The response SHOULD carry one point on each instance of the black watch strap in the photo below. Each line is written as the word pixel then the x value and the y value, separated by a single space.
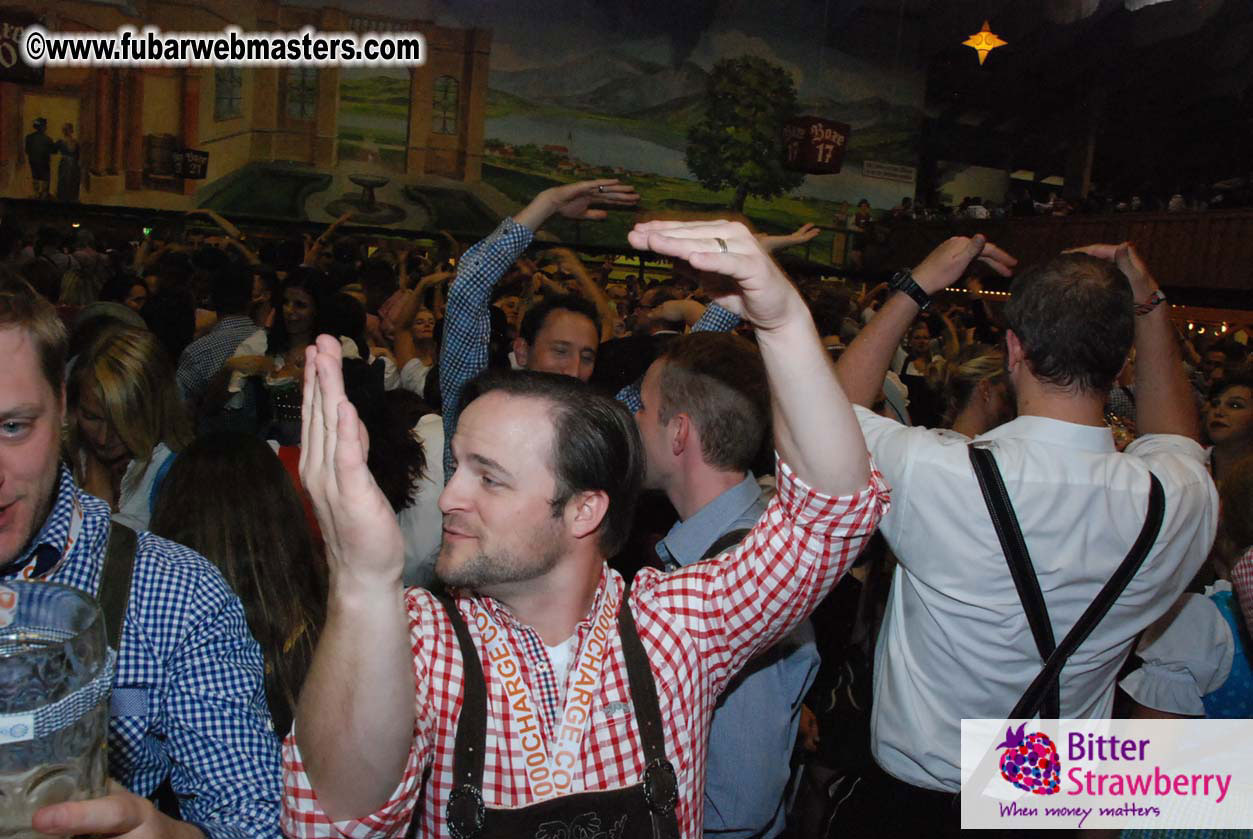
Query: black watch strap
pixel 904 281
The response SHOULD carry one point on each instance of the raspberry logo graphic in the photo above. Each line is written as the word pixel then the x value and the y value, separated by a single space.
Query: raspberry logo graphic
pixel 1030 763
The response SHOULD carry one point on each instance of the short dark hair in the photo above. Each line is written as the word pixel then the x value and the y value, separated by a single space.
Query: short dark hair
pixel 1074 316
pixel 719 380
pixel 595 444
pixel 537 315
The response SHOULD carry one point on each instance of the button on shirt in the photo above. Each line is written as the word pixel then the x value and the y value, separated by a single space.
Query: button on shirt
pixel 188 697
pixel 754 726
pixel 955 641
pixel 698 627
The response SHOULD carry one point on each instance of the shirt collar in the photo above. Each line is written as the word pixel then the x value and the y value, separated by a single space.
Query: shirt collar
pixel 688 540
pixel 501 612
pixel 56 526
pixel 1057 432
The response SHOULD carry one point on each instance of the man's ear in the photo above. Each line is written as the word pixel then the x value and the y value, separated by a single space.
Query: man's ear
pixel 585 512
pixel 681 433
pixel 1014 354
pixel 521 351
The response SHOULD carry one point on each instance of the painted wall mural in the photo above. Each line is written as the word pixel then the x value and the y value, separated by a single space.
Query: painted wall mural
pixel 513 97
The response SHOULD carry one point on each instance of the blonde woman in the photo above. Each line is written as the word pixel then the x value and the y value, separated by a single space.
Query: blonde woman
pixel 127 421
pixel 975 388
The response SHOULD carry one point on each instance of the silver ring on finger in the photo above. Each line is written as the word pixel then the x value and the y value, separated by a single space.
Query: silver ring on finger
pixel 600 188
pixel 722 244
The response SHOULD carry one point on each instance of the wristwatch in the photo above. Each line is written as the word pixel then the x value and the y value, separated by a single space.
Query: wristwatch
pixel 904 281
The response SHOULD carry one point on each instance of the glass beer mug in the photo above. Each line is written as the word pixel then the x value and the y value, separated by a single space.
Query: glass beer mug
pixel 55 674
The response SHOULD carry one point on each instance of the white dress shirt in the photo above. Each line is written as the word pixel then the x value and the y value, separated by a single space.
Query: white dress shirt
pixel 955 641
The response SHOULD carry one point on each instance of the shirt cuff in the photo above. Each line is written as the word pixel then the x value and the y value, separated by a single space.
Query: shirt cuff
pixel 302 816
pixel 716 319
pixel 849 515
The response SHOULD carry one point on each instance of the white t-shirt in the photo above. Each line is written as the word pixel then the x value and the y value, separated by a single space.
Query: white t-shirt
pixel 955 642
pixel 562 657
pixel 422 522
pixel 134 509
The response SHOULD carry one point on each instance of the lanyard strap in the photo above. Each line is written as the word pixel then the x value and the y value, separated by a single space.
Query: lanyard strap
pixel 555 772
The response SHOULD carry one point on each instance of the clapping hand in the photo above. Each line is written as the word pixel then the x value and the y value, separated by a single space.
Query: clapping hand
pixel 364 546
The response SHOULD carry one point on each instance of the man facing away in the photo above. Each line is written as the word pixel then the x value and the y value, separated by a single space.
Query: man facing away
pixel 702 420
pixel 39 148
pixel 188 703
pixel 542 493
pixel 956 642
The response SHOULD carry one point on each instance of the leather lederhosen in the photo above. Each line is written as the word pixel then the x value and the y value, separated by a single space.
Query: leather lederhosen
pixel 646 809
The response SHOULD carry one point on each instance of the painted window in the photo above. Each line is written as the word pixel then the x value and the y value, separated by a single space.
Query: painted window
pixel 302 92
pixel 444 112
pixel 228 93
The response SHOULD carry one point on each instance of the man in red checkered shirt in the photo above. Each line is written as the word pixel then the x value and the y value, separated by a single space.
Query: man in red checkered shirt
pixel 554 726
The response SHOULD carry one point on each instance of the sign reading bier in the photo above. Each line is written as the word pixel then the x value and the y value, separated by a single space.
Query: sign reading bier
pixel 815 145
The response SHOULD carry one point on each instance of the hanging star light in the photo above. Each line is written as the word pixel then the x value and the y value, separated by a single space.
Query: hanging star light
pixel 983 42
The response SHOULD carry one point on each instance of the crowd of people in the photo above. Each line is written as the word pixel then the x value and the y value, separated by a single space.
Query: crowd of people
pixel 504 542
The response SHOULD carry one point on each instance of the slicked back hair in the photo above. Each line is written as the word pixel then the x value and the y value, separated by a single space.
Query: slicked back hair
pixel 595 444
pixel 1075 319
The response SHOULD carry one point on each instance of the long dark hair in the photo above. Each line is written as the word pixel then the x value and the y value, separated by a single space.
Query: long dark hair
pixel 307 279
pixel 229 497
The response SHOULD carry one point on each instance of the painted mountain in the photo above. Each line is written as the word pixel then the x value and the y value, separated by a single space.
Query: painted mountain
pixel 630 98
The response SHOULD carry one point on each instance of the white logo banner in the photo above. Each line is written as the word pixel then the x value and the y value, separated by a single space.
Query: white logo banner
pixel 1069 774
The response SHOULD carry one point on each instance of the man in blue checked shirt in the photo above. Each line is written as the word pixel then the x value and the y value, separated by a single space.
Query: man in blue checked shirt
pixel 559 336
pixel 188 703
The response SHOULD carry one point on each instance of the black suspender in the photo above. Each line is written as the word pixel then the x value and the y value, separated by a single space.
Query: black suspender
pixel 1044 693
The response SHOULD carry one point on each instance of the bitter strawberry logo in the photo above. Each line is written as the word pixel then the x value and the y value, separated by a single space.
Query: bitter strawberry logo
pixel 1030 762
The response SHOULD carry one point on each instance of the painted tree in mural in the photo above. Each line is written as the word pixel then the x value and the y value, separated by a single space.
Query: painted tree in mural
pixel 739 141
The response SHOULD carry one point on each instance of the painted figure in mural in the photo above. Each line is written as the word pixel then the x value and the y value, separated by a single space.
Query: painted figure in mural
pixel 39 150
pixel 69 170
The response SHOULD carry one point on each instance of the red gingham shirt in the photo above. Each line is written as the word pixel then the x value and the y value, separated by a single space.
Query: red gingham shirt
pixel 699 626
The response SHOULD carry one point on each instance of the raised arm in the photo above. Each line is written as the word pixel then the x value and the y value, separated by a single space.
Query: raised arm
pixel 863 365
pixel 354 721
pixel 816 433
pixel 403 341
pixel 591 289
pixel 467 321
pixel 1164 403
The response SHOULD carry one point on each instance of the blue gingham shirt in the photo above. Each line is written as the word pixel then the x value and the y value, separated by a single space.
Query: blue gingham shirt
pixel 204 357
pixel 188 696
pixel 468 322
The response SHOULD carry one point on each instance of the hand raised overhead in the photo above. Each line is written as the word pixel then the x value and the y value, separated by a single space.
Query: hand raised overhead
pixel 364 546
pixel 741 276
pixel 947 263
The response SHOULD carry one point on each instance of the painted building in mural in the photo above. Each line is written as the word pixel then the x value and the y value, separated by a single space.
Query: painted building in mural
pixel 512 98
pixel 316 121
